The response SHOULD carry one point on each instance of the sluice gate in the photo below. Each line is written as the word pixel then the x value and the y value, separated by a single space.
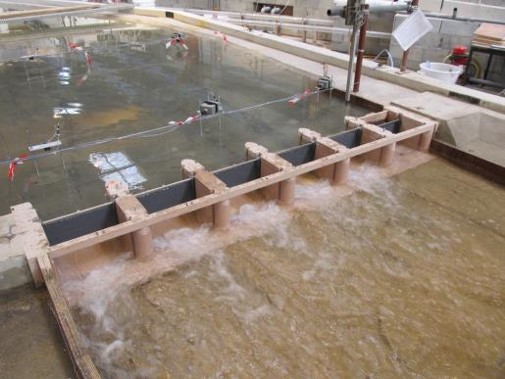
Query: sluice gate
pixel 210 194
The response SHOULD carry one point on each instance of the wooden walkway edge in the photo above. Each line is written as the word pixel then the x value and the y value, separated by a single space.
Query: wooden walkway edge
pixel 81 360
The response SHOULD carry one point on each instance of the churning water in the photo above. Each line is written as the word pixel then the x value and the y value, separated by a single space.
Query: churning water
pixel 388 277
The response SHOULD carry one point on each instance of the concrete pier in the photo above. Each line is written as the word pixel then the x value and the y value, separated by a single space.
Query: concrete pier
pixel 283 192
pixel 130 209
pixel 337 173
pixel 30 233
pixel 207 183
pixel 384 155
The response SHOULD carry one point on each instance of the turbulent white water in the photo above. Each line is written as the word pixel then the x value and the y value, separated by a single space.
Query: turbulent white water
pixel 368 280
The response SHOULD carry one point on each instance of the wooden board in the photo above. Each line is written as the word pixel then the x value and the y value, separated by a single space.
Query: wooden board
pixel 489 34
pixel 214 198
pixel 81 360
pixel 487 42
pixel 491 31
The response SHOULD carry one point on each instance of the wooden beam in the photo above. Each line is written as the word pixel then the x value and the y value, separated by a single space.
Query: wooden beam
pixel 81 360
pixel 47 11
pixel 191 206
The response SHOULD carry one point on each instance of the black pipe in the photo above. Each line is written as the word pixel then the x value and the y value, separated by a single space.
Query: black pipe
pixel 444 17
pixel 335 11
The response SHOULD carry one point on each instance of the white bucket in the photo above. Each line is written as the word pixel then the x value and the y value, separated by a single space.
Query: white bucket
pixel 447 73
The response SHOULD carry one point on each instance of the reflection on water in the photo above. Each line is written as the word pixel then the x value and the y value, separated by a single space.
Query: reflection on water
pixel 128 89
pixel 401 278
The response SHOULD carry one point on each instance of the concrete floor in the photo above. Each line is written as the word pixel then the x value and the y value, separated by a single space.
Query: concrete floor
pixel 28 329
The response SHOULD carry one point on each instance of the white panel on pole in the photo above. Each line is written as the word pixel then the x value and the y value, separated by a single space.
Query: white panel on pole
pixel 412 29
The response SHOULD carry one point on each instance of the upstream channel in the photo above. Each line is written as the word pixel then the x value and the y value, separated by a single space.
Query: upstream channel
pixel 136 84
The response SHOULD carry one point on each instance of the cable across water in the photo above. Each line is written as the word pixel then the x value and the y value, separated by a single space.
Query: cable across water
pixel 163 129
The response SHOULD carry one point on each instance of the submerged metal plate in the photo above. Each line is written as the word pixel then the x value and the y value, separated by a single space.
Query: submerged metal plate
pixel 300 154
pixel 81 223
pixel 168 196
pixel 392 126
pixel 350 138
pixel 240 173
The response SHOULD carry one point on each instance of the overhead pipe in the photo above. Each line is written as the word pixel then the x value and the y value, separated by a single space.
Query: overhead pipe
pixel 445 17
pixel 373 7
pixel 262 16
pixel 317 28
pixel 7 18
pixel 335 11
pixel 361 49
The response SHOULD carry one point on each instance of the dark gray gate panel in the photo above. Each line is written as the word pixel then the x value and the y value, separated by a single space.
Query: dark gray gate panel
pixel 392 126
pixel 79 224
pixel 240 173
pixel 300 154
pixel 350 138
pixel 168 196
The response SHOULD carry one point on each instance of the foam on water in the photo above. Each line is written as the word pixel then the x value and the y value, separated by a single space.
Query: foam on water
pixel 243 281
pixel 105 294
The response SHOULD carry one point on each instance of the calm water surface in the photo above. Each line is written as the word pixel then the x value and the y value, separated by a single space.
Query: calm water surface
pixel 135 84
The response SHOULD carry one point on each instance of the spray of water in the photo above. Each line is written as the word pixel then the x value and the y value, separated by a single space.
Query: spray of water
pixel 104 298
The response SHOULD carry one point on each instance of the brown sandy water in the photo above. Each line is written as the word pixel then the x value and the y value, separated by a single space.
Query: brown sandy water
pixel 403 278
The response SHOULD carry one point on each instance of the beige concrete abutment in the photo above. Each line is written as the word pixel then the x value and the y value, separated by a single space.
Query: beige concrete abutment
pixel 130 209
pixel 336 173
pixel 207 183
pixel 283 192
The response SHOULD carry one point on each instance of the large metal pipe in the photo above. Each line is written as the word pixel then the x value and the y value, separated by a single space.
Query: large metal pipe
pixel 260 16
pixel 361 50
pixel 10 17
pixel 335 11
pixel 373 7
pixel 444 17
pixel 316 28
pixel 318 21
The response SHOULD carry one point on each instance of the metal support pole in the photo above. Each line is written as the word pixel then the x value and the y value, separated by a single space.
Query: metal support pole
pixel 351 61
pixel 361 48
pixel 405 56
